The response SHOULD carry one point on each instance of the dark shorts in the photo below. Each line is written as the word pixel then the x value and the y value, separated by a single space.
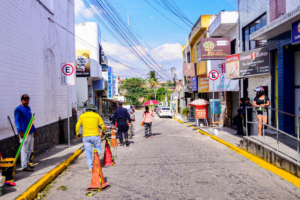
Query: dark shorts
pixel 261 112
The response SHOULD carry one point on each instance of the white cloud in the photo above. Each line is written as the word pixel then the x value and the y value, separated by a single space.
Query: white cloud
pixel 84 11
pixel 167 52
pixel 122 52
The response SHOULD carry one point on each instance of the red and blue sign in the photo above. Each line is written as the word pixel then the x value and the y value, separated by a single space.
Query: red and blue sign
pixel 296 32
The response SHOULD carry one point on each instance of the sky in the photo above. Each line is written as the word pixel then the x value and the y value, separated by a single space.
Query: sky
pixel 164 37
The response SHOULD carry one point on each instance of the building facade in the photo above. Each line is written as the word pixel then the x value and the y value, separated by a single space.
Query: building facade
pixel 32 53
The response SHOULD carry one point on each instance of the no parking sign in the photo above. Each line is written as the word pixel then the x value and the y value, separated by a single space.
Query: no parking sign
pixel 67 74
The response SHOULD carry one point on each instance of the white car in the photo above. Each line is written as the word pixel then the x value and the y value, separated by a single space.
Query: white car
pixel 165 112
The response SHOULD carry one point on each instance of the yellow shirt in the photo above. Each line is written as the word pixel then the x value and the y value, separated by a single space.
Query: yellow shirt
pixel 90 122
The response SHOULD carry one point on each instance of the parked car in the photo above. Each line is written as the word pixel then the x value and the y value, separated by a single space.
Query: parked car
pixel 157 109
pixel 165 112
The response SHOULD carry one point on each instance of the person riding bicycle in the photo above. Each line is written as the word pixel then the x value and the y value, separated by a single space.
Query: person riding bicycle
pixel 121 116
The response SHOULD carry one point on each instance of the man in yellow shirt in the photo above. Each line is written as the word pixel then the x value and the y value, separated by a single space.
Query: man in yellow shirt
pixel 90 121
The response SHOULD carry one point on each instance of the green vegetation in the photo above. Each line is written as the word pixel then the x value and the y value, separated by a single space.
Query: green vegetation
pixel 185 112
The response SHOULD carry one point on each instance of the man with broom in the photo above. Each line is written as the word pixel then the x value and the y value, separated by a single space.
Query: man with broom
pixel 22 118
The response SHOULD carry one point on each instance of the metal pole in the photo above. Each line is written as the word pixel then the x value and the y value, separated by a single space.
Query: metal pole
pixel 277 129
pixel 213 111
pixel 68 120
pixel 298 137
pixel 263 124
pixel 246 121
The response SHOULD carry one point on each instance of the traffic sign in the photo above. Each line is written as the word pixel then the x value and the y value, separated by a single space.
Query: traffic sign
pixel 67 74
pixel 175 95
pixel 213 75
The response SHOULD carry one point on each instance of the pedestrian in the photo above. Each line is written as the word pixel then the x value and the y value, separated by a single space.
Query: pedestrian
pixel 147 116
pixel 90 121
pixel 261 101
pixel 22 118
pixel 249 114
pixel 121 116
pixel 239 121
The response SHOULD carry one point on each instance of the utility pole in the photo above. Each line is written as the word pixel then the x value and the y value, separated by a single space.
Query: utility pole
pixel 128 18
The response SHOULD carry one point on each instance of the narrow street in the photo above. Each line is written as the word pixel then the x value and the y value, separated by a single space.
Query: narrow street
pixel 177 163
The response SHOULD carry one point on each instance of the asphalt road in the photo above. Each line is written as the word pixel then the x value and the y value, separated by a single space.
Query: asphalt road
pixel 177 163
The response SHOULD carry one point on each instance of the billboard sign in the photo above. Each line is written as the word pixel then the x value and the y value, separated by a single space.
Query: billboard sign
pixel 203 84
pixel 216 106
pixel 296 32
pixel 255 62
pixel 215 48
pixel 195 84
pixel 189 69
pixel 233 66
pixel 83 63
pixel 201 113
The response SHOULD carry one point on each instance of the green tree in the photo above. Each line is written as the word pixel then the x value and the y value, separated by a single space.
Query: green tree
pixel 152 79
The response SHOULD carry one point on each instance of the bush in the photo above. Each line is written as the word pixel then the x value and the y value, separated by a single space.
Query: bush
pixel 185 111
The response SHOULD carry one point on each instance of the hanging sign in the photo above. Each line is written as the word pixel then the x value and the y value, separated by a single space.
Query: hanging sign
pixel 67 74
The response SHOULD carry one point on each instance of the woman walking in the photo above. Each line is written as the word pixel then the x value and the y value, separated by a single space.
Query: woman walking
pixel 147 115
pixel 261 101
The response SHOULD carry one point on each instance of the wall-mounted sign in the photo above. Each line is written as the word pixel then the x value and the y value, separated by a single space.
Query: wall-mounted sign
pixel 216 104
pixel 233 66
pixel 83 63
pixel 189 69
pixel 201 113
pixel 296 32
pixel 195 84
pixel 215 48
pixel 255 62
pixel 224 84
pixel 203 84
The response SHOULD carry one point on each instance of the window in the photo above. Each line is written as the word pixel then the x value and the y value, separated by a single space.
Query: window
pixel 198 52
pixel 188 57
pixel 251 28
pixel 233 46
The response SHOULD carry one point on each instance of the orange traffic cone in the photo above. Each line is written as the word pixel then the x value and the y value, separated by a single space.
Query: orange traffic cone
pixel 98 181
pixel 114 142
pixel 107 160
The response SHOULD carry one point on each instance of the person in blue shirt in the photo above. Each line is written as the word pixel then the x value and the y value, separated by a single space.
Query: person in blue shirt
pixel 22 117
pixel 121 116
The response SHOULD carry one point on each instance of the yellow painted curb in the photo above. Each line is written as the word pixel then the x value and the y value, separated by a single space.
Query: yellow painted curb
pixel 34 189
pixel 262 163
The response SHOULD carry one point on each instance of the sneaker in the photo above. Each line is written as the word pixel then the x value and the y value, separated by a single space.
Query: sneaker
pixel 121 143
pixel 31 166
pixel 151 136
pixel 127 143
pixel 27 169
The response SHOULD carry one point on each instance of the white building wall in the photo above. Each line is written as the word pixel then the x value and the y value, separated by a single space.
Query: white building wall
pixel 291 5
pixel 32 48
pixel 82 91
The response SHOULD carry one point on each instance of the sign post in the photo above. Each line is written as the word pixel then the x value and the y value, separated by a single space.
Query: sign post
pixel 67 79
pixel 213 75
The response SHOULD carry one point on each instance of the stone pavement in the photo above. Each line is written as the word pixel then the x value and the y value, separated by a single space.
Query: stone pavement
pixel 177 163
pixel 43 162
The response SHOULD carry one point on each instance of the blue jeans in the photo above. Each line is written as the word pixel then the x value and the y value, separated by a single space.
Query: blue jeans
pixel 88 141
pixel 26 149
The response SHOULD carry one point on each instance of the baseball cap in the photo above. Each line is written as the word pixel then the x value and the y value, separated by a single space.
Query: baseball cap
pixel 120 103
pixel 247 99
pixel 25 96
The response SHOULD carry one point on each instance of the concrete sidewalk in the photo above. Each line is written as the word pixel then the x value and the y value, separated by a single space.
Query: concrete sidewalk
pixel 43 162
pixel 285 158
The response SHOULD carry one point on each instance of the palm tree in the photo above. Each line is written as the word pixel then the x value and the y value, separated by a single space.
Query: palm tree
pixel 152 80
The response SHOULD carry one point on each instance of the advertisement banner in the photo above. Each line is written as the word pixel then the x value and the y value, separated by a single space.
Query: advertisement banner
pixel 189 69
pixel 195 84
pixel 233 66
pixel 203 84
pixel 83 63
pixel 296 32
pixel 215 48
pixel 218 65
pixel 255 62
pixel 216 106
pixel 201 113
pixel 224 84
